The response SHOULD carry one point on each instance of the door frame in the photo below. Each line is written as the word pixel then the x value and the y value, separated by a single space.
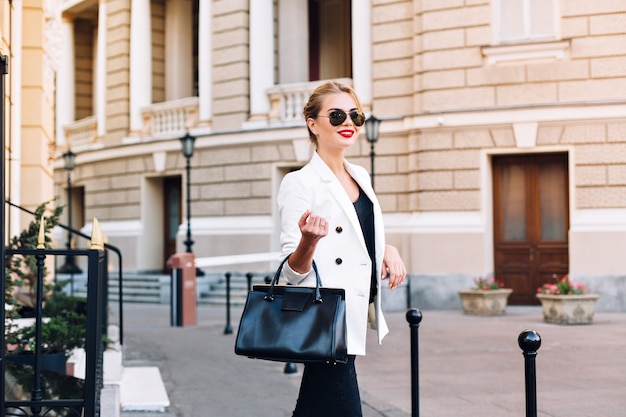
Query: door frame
pixel 176 180
pixel 150 244
pixel 486 169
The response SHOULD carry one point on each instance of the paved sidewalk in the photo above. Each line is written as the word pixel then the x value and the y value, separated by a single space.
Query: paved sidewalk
pixel 469 366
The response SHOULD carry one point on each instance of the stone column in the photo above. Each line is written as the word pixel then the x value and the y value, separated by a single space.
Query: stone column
pixel 66 83
pixel 101 67
pixel 261 57
pixel 292 19
pixel 205 62
pixel 362 50
pixel 140 62
pixel 178 49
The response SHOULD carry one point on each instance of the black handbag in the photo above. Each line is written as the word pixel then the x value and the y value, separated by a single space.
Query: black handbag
pixel 289 323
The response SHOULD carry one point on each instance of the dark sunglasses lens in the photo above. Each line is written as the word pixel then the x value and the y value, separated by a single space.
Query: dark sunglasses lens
pixel 357 118
pixel 337 117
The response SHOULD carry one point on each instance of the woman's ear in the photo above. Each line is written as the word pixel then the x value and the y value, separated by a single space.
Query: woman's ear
pixel 310 122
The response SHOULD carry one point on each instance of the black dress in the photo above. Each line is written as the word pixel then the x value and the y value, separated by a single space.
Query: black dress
pixel 332 390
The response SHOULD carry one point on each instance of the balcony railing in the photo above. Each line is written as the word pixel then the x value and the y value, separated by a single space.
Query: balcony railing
pixel 287 101
pixel 82 134
pixel 170 119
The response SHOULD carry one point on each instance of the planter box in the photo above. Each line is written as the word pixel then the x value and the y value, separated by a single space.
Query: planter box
pixel 485 303
pixel 568 309
pixel 54 362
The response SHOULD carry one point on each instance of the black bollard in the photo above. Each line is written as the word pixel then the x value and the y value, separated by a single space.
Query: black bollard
pixel 414 317
pixel 290 368
pixel 249 278
pixel 228 329
pixel 268 279
pixel 530 341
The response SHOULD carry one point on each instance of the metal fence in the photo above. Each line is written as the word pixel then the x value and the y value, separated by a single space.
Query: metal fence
pixel 42 393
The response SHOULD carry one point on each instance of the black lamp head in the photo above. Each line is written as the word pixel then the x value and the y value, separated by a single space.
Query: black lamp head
pixel 188 142
pixel 70 158
pixel 372 124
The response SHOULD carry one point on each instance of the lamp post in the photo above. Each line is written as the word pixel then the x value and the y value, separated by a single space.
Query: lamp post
pixel 371 133
pixel 69 267
pixel 188 143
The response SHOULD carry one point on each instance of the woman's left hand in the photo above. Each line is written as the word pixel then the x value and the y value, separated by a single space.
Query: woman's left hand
pixel 393 267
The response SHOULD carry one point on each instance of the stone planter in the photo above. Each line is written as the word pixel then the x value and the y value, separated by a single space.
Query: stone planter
pixel 485 303
pixel 568 309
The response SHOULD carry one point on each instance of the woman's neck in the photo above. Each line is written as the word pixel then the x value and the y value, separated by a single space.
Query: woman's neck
pixel 334 161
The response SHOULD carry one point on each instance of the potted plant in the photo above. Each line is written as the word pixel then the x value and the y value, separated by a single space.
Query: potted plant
pixel 62 331
pixel 487 297
pixel 566 302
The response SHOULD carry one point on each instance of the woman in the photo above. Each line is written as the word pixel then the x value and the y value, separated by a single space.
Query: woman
pixel 330 214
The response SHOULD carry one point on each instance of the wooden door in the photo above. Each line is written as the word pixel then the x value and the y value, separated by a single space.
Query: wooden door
pixel 172 203
pixel 531 222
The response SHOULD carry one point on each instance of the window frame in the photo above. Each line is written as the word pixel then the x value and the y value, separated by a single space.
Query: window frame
pixel 527 37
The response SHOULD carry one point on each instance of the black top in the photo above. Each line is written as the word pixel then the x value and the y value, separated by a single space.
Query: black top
pixel 365 212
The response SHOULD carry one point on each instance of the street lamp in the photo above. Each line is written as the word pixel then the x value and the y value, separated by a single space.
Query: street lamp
pixel 371 133
pixel 69 267
pixel 188 143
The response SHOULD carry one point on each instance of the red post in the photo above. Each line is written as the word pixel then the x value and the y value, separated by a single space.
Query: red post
pixel 183 297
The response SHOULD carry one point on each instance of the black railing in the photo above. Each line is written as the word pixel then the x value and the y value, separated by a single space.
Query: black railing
pixel 46 392
pixel 228 328
pixel 108 247
pixel 4 70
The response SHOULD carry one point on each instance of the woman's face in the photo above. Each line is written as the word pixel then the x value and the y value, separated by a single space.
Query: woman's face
pixel 338 137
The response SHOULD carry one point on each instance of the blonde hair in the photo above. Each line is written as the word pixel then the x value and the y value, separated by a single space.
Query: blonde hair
pixel 316 100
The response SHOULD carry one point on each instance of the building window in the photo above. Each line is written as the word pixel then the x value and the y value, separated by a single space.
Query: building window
pixel 526 20
pixel 330 42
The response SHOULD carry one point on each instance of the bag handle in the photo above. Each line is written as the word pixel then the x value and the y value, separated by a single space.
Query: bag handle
pixel 318 282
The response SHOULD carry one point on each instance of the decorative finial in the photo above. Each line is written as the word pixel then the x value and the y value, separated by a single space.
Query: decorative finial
pixel 41 239
pixel 96 236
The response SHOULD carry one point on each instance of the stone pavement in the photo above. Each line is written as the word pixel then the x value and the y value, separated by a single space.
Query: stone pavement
pixel 469 366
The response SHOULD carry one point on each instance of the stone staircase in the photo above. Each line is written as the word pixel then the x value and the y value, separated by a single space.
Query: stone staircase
pixel 141 288
pixel 214 292
pixel 137 288
pixel 155 288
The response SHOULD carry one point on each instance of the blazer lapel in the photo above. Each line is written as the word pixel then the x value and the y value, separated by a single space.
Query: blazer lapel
pixel 338 193
pixel 379 233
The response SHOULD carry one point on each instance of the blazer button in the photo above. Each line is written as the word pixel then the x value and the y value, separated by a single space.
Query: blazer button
pixel 338 261
pixel 339 229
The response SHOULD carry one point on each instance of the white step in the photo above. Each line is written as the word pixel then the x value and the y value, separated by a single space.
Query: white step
pixel 142 389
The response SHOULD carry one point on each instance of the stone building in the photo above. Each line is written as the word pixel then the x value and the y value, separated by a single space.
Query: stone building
pixel 502 147
pixel 28 105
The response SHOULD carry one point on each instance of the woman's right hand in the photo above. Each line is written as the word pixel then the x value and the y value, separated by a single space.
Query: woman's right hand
pixel 312 226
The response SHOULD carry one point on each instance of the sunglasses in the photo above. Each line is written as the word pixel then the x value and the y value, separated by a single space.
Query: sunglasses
pixel 337 117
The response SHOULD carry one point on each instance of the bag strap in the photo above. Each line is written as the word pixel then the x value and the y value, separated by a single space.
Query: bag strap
pixel 318 282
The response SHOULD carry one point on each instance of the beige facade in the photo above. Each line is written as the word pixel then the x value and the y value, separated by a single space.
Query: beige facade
pixel 458 85
pixel 28 104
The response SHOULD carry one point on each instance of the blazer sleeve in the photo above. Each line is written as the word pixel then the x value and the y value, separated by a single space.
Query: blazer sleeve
pixel 292 201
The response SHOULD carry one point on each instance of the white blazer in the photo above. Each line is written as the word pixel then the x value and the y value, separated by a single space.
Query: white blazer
pixel 341 256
